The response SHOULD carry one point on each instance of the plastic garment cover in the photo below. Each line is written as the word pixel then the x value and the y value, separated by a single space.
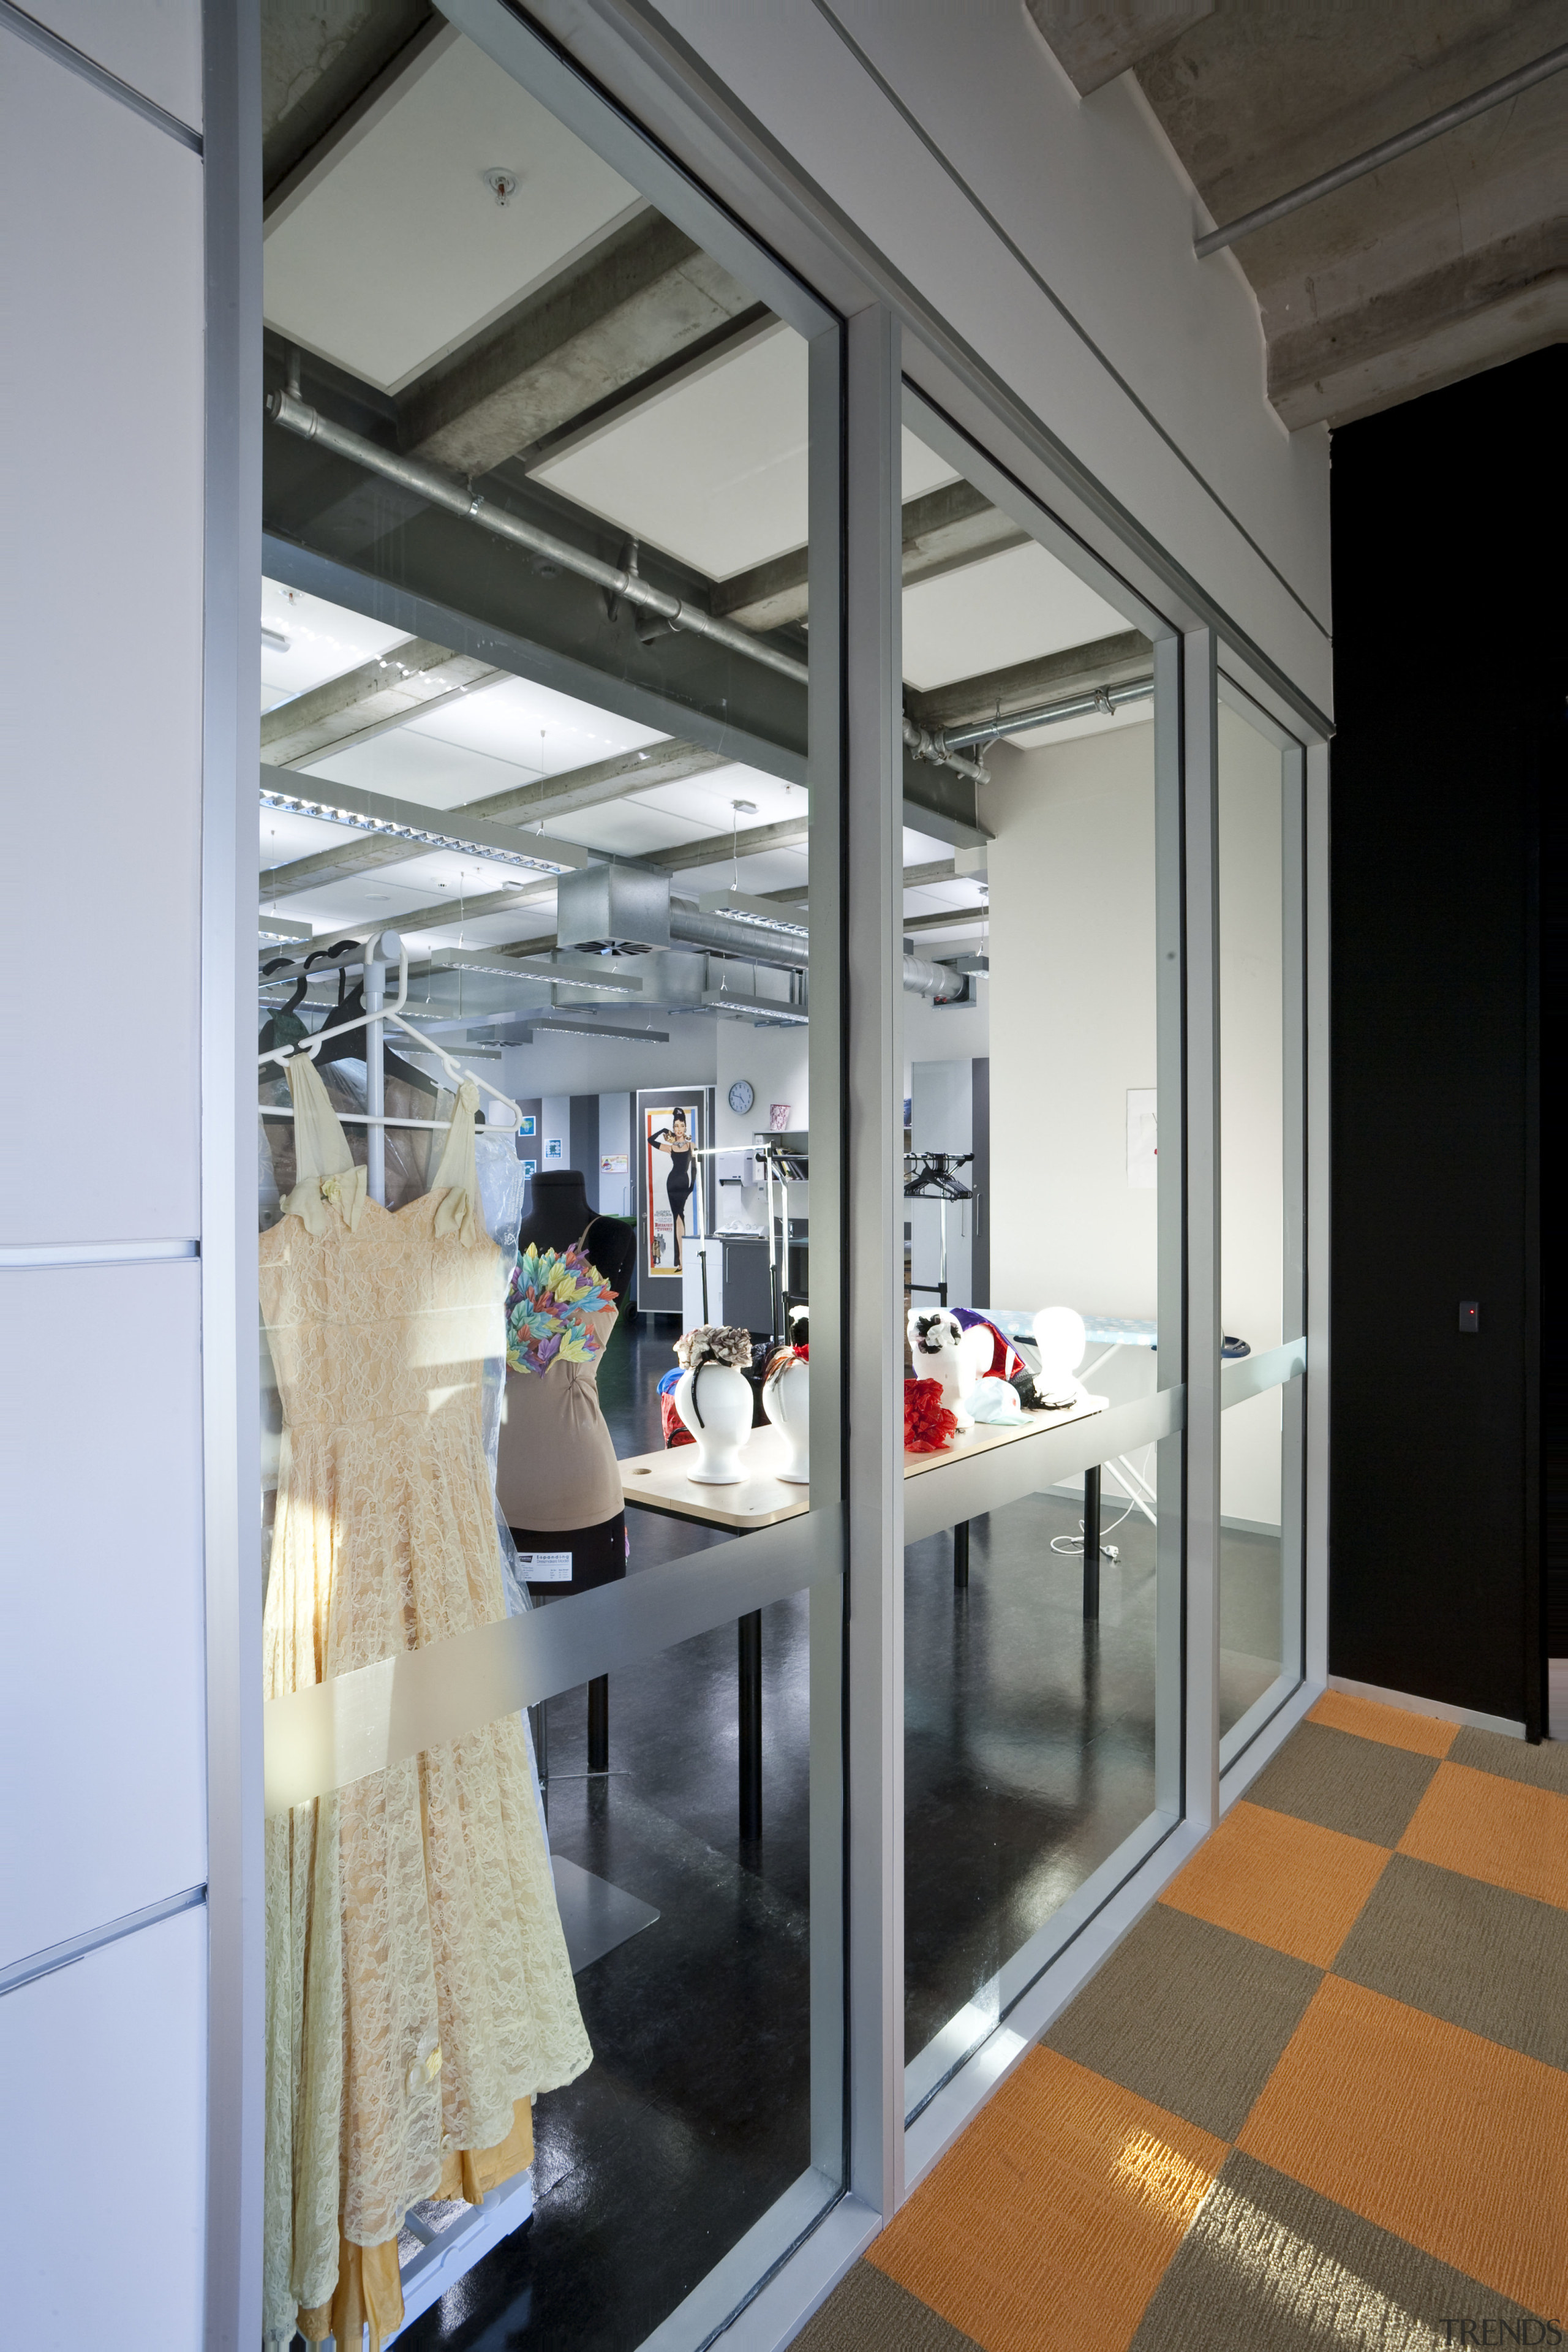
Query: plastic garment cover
pixel 502 1187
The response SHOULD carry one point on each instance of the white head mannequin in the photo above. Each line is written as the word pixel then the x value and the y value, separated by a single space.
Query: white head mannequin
pixel 1060 1341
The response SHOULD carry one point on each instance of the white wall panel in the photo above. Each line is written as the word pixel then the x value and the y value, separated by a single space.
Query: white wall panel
pixel 154 45
pixel 101 2175
pixel 100 484
pixel 1072 1022
pixel 102 1729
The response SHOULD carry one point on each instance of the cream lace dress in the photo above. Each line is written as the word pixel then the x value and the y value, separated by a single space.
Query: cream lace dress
pixel 419 1989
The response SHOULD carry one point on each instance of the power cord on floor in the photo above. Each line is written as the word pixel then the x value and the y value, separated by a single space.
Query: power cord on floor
pixel 1074 1544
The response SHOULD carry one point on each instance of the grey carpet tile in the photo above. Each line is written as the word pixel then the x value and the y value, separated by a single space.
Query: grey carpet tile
pixel 1494 1962
pixel 1363 1787
pixel 1269 2266
pixel 869 2312
pixel 1188 2015
pixel 1545 1767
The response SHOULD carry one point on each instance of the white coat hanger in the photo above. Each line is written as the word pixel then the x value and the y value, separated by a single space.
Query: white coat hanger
pixel 456 1071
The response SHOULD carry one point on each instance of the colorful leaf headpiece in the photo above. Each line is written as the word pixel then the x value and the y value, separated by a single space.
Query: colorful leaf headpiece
pixel 550 1304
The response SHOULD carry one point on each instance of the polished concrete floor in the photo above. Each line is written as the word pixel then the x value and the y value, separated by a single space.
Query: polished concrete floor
pixel 1029 1749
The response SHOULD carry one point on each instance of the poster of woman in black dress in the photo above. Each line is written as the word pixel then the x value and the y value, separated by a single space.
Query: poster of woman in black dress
pixel 671 1152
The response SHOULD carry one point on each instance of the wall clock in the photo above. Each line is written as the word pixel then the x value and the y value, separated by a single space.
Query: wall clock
pixel 742 1095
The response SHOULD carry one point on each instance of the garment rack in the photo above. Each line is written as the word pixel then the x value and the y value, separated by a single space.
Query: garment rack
pixel 378 954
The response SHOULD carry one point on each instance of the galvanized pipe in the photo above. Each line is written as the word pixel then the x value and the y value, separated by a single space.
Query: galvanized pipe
pixel 296 415
pixel 934 749
pixel 439 489
pixel 1105 700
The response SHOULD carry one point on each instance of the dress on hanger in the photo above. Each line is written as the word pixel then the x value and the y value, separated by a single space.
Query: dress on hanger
pixel 418 1986
pixel 557 1475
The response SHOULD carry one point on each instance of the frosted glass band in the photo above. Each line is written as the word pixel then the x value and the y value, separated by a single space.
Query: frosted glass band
pixel 987 1482
pixel 1253 1374
pixel 338 1731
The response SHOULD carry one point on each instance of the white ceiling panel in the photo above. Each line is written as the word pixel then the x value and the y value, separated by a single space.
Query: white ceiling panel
pixel 323 641
pixel 409 766
pixel 714 470
pixel 1012 607
pixel 924 848
pixel 534 727
pixel 705 803
pixel 398 251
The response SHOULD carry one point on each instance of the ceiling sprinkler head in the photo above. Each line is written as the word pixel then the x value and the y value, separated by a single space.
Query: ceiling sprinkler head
pixel 501 183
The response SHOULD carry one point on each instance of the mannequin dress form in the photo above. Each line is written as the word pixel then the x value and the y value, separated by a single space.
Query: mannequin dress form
pixel 556 1475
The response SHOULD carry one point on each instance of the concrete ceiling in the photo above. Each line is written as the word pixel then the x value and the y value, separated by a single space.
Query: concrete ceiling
pixel 1452 258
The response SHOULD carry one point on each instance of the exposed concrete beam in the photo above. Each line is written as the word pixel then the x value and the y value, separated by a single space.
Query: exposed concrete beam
pixel 619 778
pixel 945 529
pixel 1108 661
pixel 1447 258
pixel 689 857
pixel 941 869
pixel 955 919
pixel 323 65
pixel 1474 311
pixel 411 679
pixel 1094 44
pixel 643 296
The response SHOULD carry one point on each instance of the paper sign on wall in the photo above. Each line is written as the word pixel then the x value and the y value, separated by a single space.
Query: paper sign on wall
pixel 614 1163
pixel 1143 1139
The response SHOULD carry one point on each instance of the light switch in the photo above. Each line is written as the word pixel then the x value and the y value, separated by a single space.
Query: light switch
pixel 1470 1314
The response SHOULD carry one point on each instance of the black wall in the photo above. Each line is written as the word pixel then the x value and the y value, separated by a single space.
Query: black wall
pixel 1449 674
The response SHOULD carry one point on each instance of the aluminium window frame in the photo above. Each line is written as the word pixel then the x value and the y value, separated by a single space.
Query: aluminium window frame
pixel 621 53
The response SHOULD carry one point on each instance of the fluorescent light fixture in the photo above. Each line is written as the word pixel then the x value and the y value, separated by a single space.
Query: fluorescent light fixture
pixel 427 828
pixel 274 641
pixel 771 1010
pixel 274 927
pixel 558 1028
pixel 762 911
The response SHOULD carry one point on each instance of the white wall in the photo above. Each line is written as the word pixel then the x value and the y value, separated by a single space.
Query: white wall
pixel 1072 1022
pixel 942 1095
pixel 554 1127
pixel 774 1060
pixel 1063 258
pixel 617 1195
pixel 102 1729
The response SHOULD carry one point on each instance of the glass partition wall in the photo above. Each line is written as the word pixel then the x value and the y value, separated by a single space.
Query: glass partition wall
pixel 1262 1263
pixel 1042 1562
pixel 548 1142
pixel 564 894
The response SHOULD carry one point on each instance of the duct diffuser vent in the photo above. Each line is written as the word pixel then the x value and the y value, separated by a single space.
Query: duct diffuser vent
pixel 613 907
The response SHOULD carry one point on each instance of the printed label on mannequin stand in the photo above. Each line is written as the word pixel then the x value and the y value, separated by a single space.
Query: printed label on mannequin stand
pixel 545 1566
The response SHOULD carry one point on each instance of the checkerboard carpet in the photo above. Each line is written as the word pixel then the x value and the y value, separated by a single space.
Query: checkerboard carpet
pixel 1317 2101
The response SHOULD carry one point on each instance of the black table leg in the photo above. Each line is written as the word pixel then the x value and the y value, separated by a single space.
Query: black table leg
pixel 750 1720
pixel 960 1557
pixel 539 1716
pixel 599 1724
pixel 1091 1542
